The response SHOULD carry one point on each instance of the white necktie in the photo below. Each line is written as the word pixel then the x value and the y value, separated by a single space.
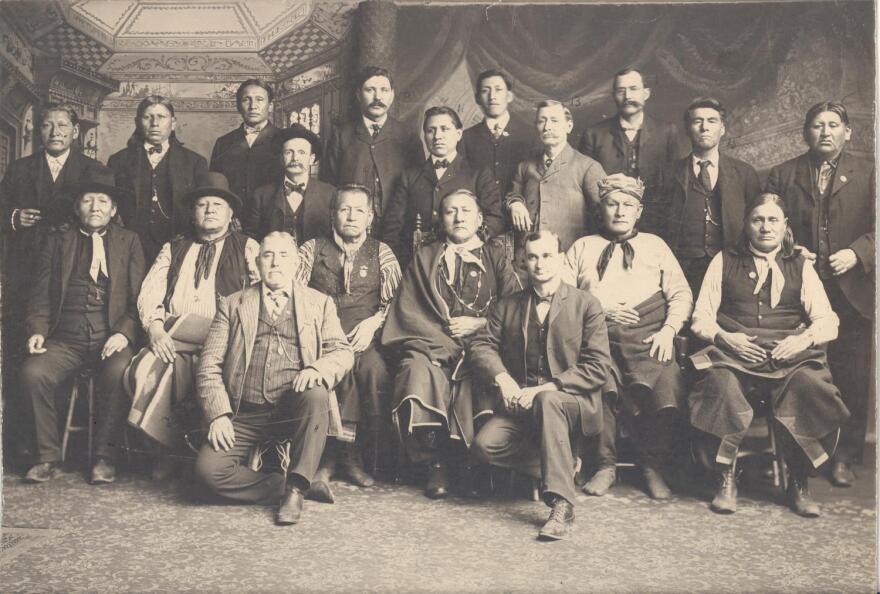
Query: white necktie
pixel 765 265
pixel 99 258
pixel 54 169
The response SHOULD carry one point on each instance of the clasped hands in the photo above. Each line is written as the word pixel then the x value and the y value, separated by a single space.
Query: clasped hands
pixel 515 398
pixel 743 346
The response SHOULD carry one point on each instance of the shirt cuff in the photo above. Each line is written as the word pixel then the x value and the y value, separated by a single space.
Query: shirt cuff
pixel 12 218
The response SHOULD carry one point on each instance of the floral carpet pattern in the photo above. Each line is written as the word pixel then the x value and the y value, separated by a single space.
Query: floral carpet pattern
pixel 136 535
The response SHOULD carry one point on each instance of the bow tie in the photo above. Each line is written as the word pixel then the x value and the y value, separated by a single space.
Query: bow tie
pixel 539 299
pixel 441 164
pixel 156 149
pixel 249 130
pixel 290 187
pixel 628 128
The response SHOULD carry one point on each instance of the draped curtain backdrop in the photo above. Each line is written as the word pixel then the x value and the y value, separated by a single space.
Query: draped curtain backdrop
pixel 570 53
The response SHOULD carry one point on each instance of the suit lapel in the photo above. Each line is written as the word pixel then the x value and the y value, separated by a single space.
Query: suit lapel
pixel 299 310
pixel 617 136
pixel 265 135
pixel 556 304
pixel 42 180
pixel 803 176
pixel 115 265
pixel 730 185
pixel 249 313
pixel 646 132
pixel 843 175
pixel 176 172
pixel 240 139
pixel 68 256
pixel 524 312
pixel 561 160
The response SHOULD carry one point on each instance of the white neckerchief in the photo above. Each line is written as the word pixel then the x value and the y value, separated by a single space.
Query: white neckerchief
pixel 155 158
pixel 56 164
pixel 765 263
pixel 463 251
pixel 349 250
pixel 99 254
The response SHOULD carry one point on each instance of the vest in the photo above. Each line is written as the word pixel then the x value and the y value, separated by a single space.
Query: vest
pixel 84 311
pixel 154 217
pixel 365 283
pixel 822 239
pixel 292 222
pixel 631 153
pixel 537 368
pixel 231 275
pixel 275 359
pixel 700 237
pixel 754 311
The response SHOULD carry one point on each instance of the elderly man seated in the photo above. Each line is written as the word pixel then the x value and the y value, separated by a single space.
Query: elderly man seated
pixel 274 353
pixel 362 275
pixel 763 308
pixel 646 300
pixel 179 296
pixel 82 312
pixel 444 298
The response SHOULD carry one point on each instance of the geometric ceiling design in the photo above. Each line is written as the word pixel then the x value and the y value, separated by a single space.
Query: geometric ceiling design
pixel 73 45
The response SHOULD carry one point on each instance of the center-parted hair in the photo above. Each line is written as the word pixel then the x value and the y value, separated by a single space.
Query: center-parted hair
pixel 742 245
pixel 442 110
pixel 489 74
pixel 459 192
pixel 253 82
pixel 832 106
pixel 143 106
pixel 347 189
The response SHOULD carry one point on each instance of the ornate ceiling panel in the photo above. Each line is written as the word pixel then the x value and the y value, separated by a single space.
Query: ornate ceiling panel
pixel 185 66
pixel 75 46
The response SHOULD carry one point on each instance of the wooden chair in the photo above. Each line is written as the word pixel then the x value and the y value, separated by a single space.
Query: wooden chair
pixel 84 381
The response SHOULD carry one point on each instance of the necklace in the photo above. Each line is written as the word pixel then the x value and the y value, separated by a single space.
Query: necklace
pixel 472 305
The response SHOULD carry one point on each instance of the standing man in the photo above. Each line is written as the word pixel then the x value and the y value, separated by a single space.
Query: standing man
pixel 158 171
pixel 632 142
pixel 546 348
pixel 374 148
pixel 361 274
pixel 830 195
pixel 557 191
pixel 82 311
pixel 274 352
pixel 292 202
pixel 421 188
pixel 699 208
pixel 498 143
pixel 246 155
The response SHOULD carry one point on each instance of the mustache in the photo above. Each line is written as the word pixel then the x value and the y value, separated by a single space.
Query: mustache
pixel 377 103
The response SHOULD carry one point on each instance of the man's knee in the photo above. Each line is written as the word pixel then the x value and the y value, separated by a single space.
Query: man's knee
pixel 547 400
pixel 370 366
pixel 35 375
pixel 314 399
pixel 212 468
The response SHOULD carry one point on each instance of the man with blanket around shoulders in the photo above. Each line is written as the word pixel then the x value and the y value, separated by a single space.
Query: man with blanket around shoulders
pixel 763 308
pixel 646 299
pixel 443 299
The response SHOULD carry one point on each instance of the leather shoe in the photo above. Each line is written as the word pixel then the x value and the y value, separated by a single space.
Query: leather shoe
pixel 320 491
pixel 291 507
pixel 725 498
pixel 42 472
pixel 438 482
pixel 842 475
pixel 799 499
pixel 103 472
pixel 558 525
pixel 603 480
pixel 655 483
pixel 352 466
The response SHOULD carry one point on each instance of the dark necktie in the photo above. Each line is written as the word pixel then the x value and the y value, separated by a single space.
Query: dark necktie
pixel 207 251
pixel 291 187
pixel 376 128
pixel 605 256
pixel 441 164
pixel 155 149
pixel 705 180
pixel 548 162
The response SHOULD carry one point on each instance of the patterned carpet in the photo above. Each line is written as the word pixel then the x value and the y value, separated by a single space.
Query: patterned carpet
pixel 138 535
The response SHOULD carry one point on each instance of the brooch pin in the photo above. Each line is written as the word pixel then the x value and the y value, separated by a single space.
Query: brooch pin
pixel 753 276
pixel 363 272
pixel 843 178
pixel 473 273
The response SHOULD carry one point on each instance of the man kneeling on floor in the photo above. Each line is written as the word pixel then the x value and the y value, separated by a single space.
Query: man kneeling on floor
pixel 546 348
pixel 274 353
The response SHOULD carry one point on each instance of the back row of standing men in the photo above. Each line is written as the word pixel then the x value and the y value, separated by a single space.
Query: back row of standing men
pixel 523 178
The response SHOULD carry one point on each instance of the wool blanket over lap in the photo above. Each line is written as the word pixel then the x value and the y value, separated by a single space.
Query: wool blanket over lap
pixel 639 382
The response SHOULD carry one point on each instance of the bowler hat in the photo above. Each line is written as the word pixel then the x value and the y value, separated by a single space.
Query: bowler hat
pixel 212 183
pixel 98 180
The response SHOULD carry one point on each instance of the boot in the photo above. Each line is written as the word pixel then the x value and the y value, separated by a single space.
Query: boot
pixel 654 481
pixel 438 481
pixel 603 480
pixel 352 466
pixel 725 497
pixel 798 493
pixel 560 522
pixel 319 489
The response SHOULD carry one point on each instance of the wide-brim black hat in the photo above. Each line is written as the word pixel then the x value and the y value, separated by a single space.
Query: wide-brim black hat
pixel 298 131
pixel 99 181
pixel 214 184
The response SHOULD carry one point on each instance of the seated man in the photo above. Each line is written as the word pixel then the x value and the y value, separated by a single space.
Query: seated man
pixel 361 274
pixel 763 308
pixel 189 273
pixel 82 311
pixel 274 352
pixel 546 348
pixel 443 299
pixel 646 300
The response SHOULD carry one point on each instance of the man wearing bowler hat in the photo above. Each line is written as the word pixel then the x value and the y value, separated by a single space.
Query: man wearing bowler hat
pixel 296 203
pixel 82 311
pixel 180 290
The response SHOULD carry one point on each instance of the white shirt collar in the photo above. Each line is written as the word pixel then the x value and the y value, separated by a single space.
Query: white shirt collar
pixel 712 158
pixel 369 123
pixel 60 159
pixel 287 291
pixel 259 127
pixel 637 124
pixel 553 287
pixel 556 151
pixel 470 245
pixel 501 120
pixel 449 158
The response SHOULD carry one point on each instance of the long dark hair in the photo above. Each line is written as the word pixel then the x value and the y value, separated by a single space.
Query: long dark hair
pixel 788 250
pixel 137 137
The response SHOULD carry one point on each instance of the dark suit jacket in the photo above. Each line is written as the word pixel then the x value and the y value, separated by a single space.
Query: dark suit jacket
pixel 125 267
pixel 659 144
pixel 185 167
pixel 851 212
pixel 269 211
pixel 247 168
pixel 577 345
pixel 738 183
pixel 351 152
pixel 419 193
pixel 519 142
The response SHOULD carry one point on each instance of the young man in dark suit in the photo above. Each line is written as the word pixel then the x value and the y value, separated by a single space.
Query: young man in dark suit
pixel 632 142
pixel 372 149
pixel 82 311
pixel 698 210
pixel 293 201
pixel 159 172
pixel 246 155
pixel 830 195
pixel 421 188
pixel 498 142
pixel 546 348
